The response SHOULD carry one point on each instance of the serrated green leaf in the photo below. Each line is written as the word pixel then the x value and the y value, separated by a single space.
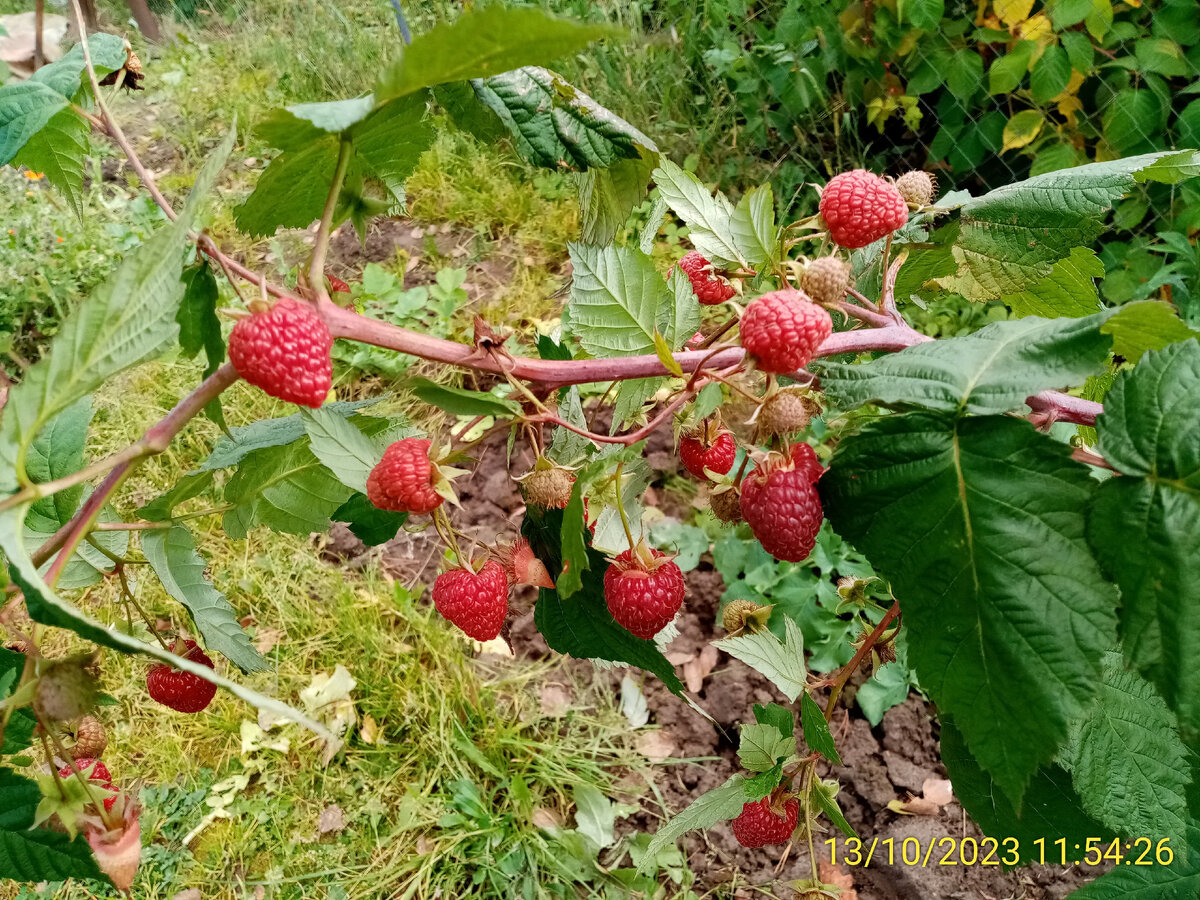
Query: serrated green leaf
pixel 567 447
pixel 888 687
pixel 680 318
pixel 705 811
pixel 1011 237
pixel 345 451
pixel 34 855
pixel 285 488
pixel 1145 526
pixel 1008 71
pixel 1178 881
pixel 1147 325
pixel 65 75
pixel 468 112
pixel 617 300
pixel 25 108
pixel 607 196
pixel 774 714
pixel 390 141
pixel 762 784
pixel 173 557
pixel 199 327
pixel 1051 811
pixel 58 151
pixel 291 192
pixel 631 397
pixel 761 747
pixel 368 523
pixel 752 228
pixel 484 42
pixel 557 126
pixel 460 401
pixel 825 793
pixel 127 320
pixel 1132 119
pixel 992 370
pixel 161 507
pixel 816 730
pixel 781 662
pixel 1050 74
pixel 1126 759
pixel 18 735
pixel 978 523
pixel 707 217
pixel 1069 290
pixel 575 556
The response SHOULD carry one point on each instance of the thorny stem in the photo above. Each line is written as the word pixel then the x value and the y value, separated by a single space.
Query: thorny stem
pixel 316 271
pixel 849 669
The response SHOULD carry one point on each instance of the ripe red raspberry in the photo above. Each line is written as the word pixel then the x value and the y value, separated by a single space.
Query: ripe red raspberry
pixel 182 691
pixel 759 826
pixel 643 590
pixel 99 773
pixel 710 289
pixel 716 453
pixel 783 329
pixel 804 458
pixel 403 481
pixel 477 602
pixel 859 208
pixel 782 507
pixel 285 352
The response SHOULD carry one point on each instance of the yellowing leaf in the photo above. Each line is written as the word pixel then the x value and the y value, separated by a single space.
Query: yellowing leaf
pixel 1012 12
pixel 1022 128
pixel 1073 84
pixel 1068 107
pixel 1038 29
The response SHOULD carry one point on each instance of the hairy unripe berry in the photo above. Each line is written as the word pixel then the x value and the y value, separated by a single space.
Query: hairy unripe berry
pixel 643 590
pixel 787 411
pixel 726 504
pixel 91 740
pixel 859 208
pixel 404 480
pixel 477 602
pixel 738 613
pixel 65 690
pixel 917 187
pixel 759 825
pixel 783 508
pixel 284 352
pixel 710 289
pixel 548 486
pixel 182 691
pixel 783 329
pixel 826 279
pixel 704 450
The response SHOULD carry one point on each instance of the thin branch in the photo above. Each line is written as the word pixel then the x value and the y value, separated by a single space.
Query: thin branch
pixel 316 270
pixel 888 301
pixel 1060 407
pixel 872 318
pixel 849 669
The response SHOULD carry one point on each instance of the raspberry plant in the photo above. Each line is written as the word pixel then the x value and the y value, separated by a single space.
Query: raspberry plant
pixel 1039 547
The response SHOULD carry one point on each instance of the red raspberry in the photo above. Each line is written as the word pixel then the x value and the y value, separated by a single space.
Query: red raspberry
pixel 804 458
pixel 859 208
pixel 643 591
pixel 717 455
pixel 782 507
pixel 338 286
pixel 710 289
pixel 112 797
pixel 182 691
pixel 783 329
pixel 403 480
pixel 759 826
pixel 475 602
pixel 100 773
pixel 285 352
pixel 694 342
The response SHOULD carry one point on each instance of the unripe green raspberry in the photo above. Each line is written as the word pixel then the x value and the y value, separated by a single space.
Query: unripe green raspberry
pixel 738 614
pixel 826 279
pixel 787 411
pixel 548 486
pixel 917 187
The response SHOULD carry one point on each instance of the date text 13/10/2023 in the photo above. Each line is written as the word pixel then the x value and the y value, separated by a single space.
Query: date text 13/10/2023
pixel 950 851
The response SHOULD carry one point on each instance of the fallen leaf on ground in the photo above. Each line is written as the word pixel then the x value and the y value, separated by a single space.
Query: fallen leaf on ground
pixel 331 820
pixel 656 746
pixel 696 670
pixel 840 879
pixel 266 639
pixel 937 790
pixel 189 894
pixel 544 817
pixel 369 732
pixel 555 700
pixel 915 806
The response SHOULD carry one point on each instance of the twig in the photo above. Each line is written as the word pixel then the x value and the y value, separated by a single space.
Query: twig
pixel 316 270
pixel 846 673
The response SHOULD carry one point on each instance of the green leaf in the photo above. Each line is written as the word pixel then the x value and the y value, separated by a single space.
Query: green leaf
pixel 1079 50
pixel 483 42
pixel 37 855
pixel 1162 56
pixel 1008 71
pixel 173 557
pixel 825 793
pixel 763 783
pixel 887 688
pixel 923 14
pixel 199 327
pixel 285 488
pixel 1050 74
pixel 1011 237
pixel 468 112
pixel 774 714
pixel 1145 526
pixel 1051 811
pixel 161 507
pixel 58 151
pixel 580 624
pixel 705 811
pixel 679 318
pixel 816 730
pixel 65 75
pixel 1069 289
pixel 368 523
pixel 631 397
pixel 608 196
pixel 1148 325
pixel 781 662
pixel 460 401
pixel 332 117
pixel 763 746
pixel 707 217
pixel 18 735
pixel 594 815
pixel 1133 120
pixel 127 320
pixel 25 108
pixel 964 73
pixel 992 370
pixel 1178 881
pixel 58 451
pixel 557 126
pixel 617 300
pixel 390 141
pixel 1127 761
pixel 567 447
pixel 752 228
pixel 291 192
pixel 575 556
pixel 979 525
pixel 346 452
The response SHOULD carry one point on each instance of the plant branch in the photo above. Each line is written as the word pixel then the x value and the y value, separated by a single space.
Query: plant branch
pixel 850 667
pixel 316 270
pixel 1056 406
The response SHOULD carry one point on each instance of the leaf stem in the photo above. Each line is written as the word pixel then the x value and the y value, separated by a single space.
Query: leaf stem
pixel 621 507
pixel 316 270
